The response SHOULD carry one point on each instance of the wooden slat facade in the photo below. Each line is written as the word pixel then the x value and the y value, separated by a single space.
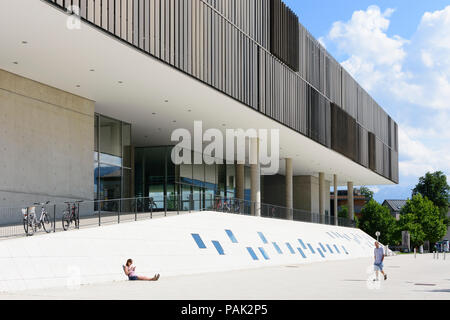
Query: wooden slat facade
pixel 258 53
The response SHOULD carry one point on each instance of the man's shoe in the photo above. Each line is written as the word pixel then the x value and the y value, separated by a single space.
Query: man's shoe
pixel 385 277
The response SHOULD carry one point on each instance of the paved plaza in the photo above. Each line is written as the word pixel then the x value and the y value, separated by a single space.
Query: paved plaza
pixel 422 278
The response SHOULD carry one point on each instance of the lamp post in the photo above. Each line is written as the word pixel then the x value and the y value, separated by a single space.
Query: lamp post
pixel 378 235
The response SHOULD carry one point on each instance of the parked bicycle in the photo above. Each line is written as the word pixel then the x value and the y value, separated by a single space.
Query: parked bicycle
pixel 71 215
pixel 31 223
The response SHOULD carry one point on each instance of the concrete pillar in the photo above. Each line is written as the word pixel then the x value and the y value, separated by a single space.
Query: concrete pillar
pixel 240 181
pixel 289 189
pixel 351 202
pixel 322 197
pixel 255 178
pixel 335 200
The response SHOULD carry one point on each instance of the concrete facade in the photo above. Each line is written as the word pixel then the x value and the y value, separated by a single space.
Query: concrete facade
pixel 289 188
pixel 47 143
pixel 306 194
pixel 351 201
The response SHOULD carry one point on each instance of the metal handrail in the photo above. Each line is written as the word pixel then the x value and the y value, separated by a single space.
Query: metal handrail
pixel 101 212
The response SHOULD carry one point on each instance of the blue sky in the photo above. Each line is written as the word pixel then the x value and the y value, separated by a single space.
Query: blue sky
pixel 400 53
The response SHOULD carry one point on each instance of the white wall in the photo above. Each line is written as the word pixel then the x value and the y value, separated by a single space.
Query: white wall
pixel 46 141
pixel 166 246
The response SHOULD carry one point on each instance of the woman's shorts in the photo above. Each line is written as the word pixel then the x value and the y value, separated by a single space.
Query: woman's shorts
pixel 378 267
pixel 133 278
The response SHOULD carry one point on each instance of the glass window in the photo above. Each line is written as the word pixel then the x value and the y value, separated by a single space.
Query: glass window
pixel 110 182
pixel 111 179
pixel 231 180
pixel 110 136
pixel 126 184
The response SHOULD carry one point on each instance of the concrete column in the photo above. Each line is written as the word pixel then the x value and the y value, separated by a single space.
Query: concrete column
pixel 289 189
pixel 335 200
pixel 240 181
pixel 255 177
pixel 351 202
pixel 322 196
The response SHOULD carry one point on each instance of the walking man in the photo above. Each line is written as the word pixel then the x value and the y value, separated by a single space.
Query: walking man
pixel 379 258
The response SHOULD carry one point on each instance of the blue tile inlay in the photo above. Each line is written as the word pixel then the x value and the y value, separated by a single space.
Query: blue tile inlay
pixel 218 247
pixel 290 247
pixel 320 251
pixel 329 248
pixel 275 245
pixel 330 235
pixel 264 254
pixel 345 250
pixel 323 248
pixel 252 253
pixel 337 250
pixel 311 248
pixel 301 252
pixel 302 244
pixel 198 240
pixel 231 236
pixel 262 237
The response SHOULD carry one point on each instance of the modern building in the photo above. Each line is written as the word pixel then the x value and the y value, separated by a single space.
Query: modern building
pixel 394 206
pixel 359 201
pixel 91 91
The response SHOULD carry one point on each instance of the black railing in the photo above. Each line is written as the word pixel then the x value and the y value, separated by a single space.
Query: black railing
pixel 16 222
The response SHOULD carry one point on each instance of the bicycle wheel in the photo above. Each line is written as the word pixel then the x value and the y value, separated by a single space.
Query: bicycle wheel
pixel 47 224
pixel 29 227
pixel 65 221
pixel 25 225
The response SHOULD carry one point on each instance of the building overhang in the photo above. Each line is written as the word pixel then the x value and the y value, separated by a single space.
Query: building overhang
pixel 154 97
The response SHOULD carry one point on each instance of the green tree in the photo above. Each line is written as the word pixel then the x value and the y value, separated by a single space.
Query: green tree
pixel 423 220
pixel 367 193
pixel 375 217
pixel 409 222
pixel 434 186
pixel 343 212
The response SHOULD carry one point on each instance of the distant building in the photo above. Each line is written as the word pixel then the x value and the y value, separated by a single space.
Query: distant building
pixel 359 199
pixel 394 206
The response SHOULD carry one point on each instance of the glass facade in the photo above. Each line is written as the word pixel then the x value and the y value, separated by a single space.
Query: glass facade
pixel 112 159
pixel 197 185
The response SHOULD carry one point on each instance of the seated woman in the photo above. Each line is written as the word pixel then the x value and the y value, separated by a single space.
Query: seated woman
pixel 130 271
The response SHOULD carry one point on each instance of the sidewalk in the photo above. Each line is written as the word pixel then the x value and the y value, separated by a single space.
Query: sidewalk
pixel 408 278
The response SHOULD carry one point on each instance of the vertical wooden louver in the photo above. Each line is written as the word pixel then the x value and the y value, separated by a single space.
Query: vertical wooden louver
pixel 284 34
pixel 257 52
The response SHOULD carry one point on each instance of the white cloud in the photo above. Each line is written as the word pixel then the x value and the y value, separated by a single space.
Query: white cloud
pixel 413 75
pixel 373 56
